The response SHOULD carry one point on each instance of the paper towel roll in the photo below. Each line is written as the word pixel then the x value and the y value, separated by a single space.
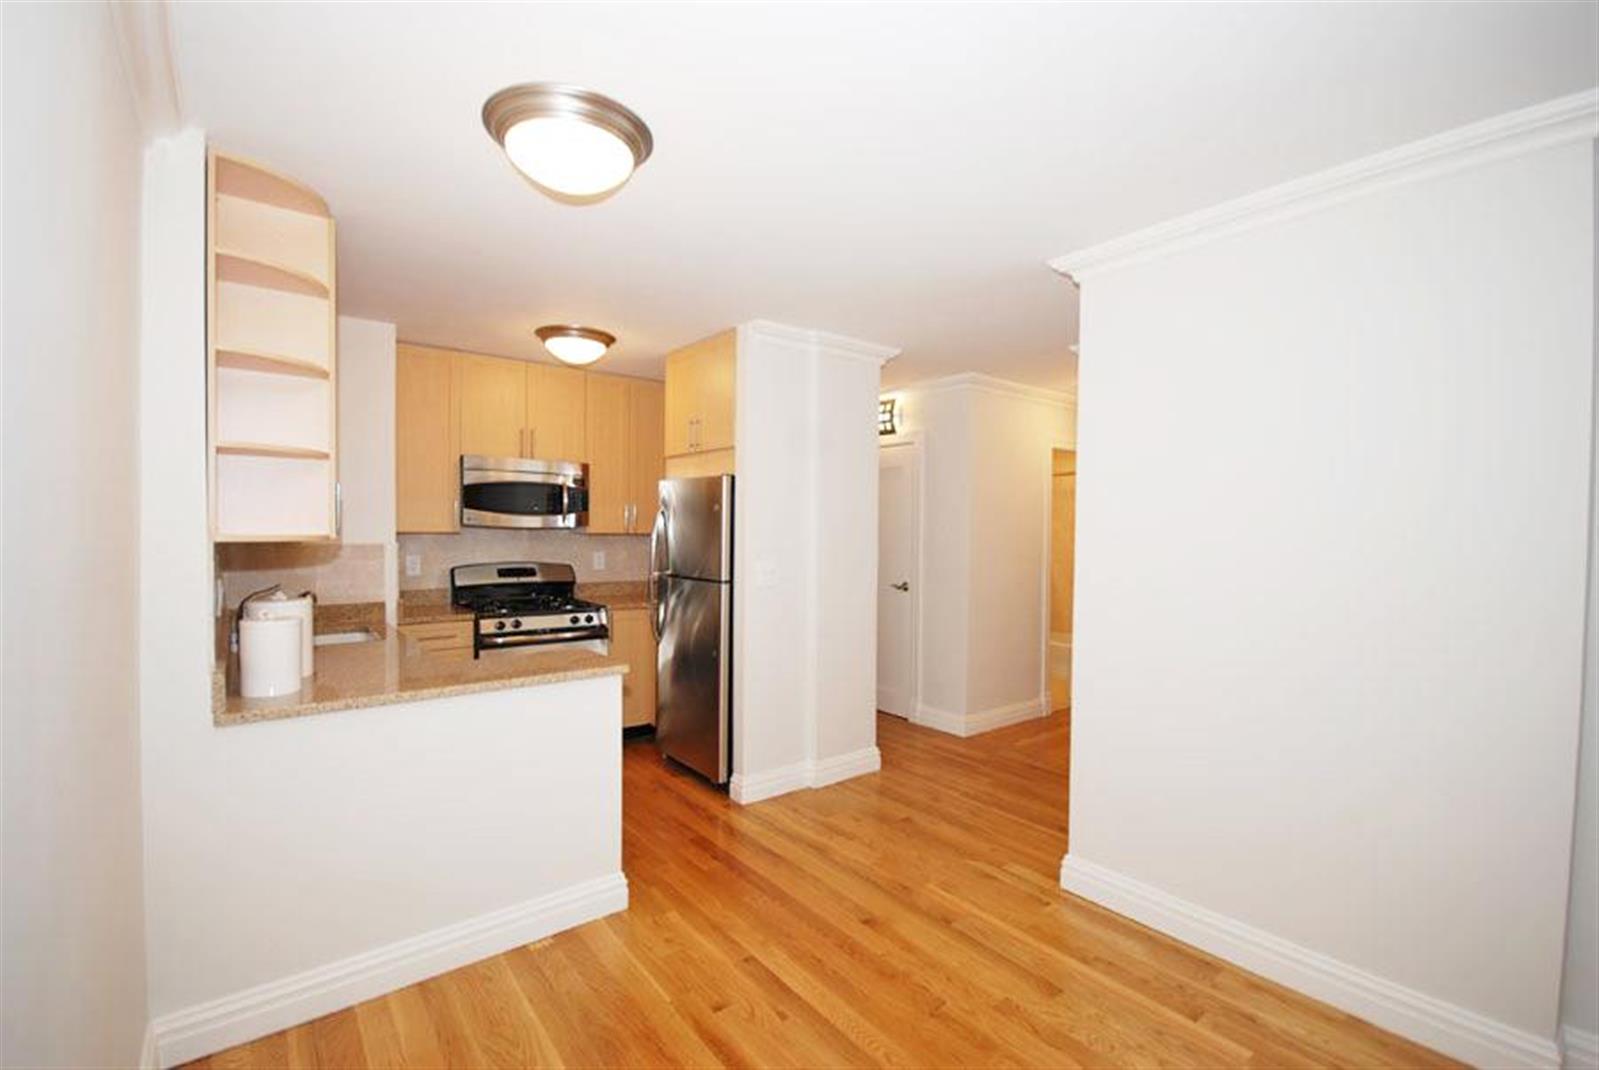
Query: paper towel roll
pixel 303 609
pixel 269 657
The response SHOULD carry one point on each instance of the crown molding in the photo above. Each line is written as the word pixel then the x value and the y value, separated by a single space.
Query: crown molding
pixel 835 344
pixel 144 41
pixel 992 385
pixel 1554 122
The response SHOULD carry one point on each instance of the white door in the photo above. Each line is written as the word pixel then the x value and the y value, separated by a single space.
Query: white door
pixel 896 579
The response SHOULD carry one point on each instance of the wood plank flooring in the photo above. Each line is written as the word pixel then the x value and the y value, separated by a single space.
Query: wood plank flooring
pixel 910 918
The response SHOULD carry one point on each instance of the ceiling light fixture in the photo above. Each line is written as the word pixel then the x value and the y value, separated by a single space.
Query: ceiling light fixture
pixel 575 345
pixel 569 141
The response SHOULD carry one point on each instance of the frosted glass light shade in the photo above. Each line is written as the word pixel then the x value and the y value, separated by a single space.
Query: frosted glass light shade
pixel 571 142
pixel 569 155
pixel 575 345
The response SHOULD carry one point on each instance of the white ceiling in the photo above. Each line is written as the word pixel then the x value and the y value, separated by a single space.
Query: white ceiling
pixel 894 172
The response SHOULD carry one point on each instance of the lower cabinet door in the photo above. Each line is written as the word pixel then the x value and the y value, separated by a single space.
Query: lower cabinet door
pixel 632 640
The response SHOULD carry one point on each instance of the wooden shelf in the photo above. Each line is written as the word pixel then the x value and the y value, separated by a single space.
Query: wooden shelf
pixel 234 266
pixel 277 537
pixel 267 449
pixel 252 360
pixel 238 177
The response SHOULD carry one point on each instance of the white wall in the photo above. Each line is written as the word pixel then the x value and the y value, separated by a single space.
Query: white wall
pixel 73 945
pixel 366 441
pixel 1334 472
pixel 292 867
pixel 1579 996
pixel 985 449
pixel 805 560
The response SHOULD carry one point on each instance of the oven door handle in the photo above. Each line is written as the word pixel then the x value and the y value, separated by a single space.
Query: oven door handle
pixel 540 638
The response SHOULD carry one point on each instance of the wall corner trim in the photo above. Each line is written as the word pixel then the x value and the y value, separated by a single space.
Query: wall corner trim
pixel 835 344
pixel 992 385
pixel 1554 122
pixel 144 42
pixel 812 773
pixel 1579 1049
pixel 255 1012
pixel 1449 1028
pixel 149 1052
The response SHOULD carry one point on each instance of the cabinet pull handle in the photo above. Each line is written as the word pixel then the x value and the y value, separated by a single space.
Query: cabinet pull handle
pixel 521 442
pixel 532 442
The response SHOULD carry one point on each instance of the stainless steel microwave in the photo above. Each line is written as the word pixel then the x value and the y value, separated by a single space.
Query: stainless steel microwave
pixel 510 492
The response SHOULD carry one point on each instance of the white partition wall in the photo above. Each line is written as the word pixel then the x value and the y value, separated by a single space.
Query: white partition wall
pixel 805 566
pixel 1331 560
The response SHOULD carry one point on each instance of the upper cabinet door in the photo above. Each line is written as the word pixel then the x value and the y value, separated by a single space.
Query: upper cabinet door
pixel 715 431
pixel 699 395
pixel 681 392
pixel 556 413
pixel 493 406
pixel 608 454
pixel 646 418
pixel 426 440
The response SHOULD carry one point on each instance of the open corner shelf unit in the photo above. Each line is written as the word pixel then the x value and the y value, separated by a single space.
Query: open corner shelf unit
pixel 272 362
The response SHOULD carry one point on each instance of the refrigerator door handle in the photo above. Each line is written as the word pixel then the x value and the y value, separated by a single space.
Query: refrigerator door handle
pixel 657 540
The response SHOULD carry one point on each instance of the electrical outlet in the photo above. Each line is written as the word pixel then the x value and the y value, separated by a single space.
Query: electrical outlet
pixel 413 564
pixel 599 560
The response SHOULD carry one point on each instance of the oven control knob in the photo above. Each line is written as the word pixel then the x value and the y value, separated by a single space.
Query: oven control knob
pixel 517 623
pixel 589 619
pixel 572 621
pixel 499 626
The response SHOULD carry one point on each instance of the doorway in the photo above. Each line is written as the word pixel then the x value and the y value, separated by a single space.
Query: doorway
pixel 1062 536
pixel 898 576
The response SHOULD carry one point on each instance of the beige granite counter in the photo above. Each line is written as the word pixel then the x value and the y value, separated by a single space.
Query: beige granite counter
pixel 396 669
pixel 431 606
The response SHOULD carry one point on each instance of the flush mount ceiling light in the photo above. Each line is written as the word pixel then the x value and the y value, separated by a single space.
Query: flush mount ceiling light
pixel 575 345
pixel 570 141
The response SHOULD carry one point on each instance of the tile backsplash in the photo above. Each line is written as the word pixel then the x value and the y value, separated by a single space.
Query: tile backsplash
pixel 627 557
pixel 346 572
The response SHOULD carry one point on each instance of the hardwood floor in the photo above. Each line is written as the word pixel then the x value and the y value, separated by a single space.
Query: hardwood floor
pixel 909 918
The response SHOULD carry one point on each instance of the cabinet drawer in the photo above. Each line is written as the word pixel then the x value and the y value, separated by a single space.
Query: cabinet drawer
pixel 443 635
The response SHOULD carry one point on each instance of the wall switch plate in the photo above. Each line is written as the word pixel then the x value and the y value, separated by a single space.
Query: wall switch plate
pixel 765 574
pixel 599 560
pixel 413 564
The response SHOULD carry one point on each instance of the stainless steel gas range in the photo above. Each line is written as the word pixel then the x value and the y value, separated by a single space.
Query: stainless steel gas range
pixel 528 604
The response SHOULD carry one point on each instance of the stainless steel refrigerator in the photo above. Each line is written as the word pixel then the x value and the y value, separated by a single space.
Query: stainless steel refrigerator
pixel 691 610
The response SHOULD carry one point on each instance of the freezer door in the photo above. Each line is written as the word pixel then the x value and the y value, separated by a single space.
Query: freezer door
pixel 697 518
pixel 694 687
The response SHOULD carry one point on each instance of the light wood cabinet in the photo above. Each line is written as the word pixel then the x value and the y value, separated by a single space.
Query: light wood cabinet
pixel 511 408
pixel 449 639
pixel 634 642
pixel 493 403
pixel 449 403
pixel 624 453
pixel 609 439
pixel 646 419
pixel 699 396
pixel 427 440
pixel 556 413
pixel 271 375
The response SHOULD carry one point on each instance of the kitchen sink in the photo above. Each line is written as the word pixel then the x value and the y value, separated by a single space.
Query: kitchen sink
pixel 360 635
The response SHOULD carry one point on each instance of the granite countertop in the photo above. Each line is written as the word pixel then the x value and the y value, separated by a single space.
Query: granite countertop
pixel 396 669
pixel 432 606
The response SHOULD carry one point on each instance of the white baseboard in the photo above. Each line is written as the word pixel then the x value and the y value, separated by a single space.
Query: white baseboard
pixel 1448 1028
pixel 816 773
pixel 1579 1049
pixel 256 1012
pixel 970 724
